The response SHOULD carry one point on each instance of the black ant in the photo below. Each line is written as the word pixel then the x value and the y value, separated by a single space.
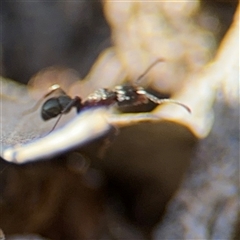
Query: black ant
pixel 124 95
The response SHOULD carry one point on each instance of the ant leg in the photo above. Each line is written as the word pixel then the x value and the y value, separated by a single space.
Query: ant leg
pixel 76 102
pixel 51 90
pixel 34 108
pixel 166 100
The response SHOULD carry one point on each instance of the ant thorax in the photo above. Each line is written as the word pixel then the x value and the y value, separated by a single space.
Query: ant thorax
pixel 128 95
pixel 101 97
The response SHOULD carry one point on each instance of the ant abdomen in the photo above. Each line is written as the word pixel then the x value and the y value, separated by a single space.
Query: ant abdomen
pixel 53 106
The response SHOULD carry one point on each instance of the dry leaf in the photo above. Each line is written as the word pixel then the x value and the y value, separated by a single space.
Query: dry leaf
pixel 149 158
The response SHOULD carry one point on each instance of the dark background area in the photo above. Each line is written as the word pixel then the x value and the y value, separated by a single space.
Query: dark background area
pixel 69 34
pixel 41 34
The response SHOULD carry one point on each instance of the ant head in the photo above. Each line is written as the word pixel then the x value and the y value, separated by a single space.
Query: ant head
pixel 151 97
pixel 165 100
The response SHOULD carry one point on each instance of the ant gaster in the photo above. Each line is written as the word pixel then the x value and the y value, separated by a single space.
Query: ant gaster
pixel 125 95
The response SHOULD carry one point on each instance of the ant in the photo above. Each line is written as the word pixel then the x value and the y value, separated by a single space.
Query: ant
pixel 122 95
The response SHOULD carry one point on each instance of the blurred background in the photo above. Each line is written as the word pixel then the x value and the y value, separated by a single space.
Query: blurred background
pixel 41 34
pixel 104 43
pixel 72 34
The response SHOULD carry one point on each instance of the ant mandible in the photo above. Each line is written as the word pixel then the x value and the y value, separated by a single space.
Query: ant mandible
pixel 122 95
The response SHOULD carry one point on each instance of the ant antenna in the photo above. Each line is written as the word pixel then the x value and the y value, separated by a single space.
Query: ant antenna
pixel 149 68
pixel 166 100
pixel 152 97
